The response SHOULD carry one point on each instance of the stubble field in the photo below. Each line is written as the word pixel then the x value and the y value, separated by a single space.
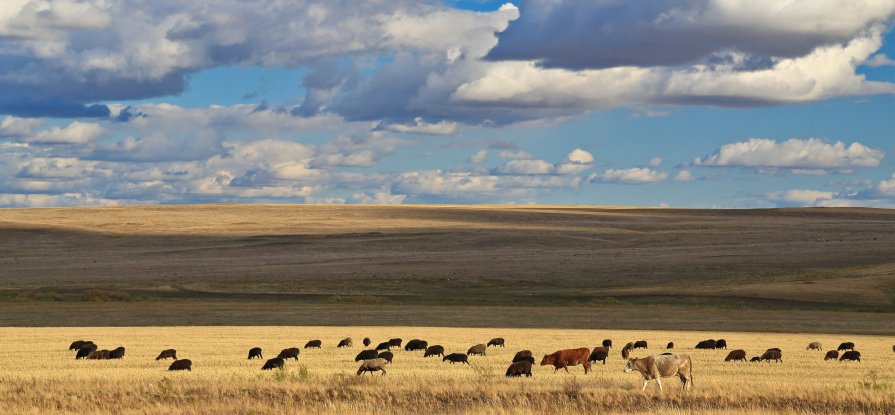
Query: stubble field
pixel 38 375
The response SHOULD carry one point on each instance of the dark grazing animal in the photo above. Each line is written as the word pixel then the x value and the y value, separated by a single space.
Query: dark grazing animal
pixel 117 353
pixel 562 359
pixel 626 351
pixel 384 346
pixel 846 346
pixel 852 355
pixel 775 349
pixel 754 359
pixel 290 353
pixel 367 342
pixel 663 366
pixel 395 343
pixel 436 350
pixel 706 344
pixel 167 353
pixel 386 355
pixel 78 343
pixel 372 365
pixel 640 344
pixel 255 353
pixel 98 355
pixel 416 344
pixel 184 364
pixel 522 353
pixel 832 355
pixel 275 363
pixel 456 358
pixel 529 359
pixel 735 355
pixel 774 355
pixel 314 344
pixel 85 351
pixel 607 343
pixel 814 346
pixel 497 342
pixel 599 354
pixel 519 369
pixel 366 355
pixel 670 345
pixel 478 349
pixel 721 344
pixel 346 342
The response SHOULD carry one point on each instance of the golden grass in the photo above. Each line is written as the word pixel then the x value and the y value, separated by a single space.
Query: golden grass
pixel 38 375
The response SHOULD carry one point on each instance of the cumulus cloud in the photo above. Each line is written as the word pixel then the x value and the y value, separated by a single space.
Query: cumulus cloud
pixel 887 187
pixel 802 197
pixel 522 166
pixel 419 126
pixel 75 133
pixel 479 157
pixel 684 176
pixel 635 175
pixel 798 155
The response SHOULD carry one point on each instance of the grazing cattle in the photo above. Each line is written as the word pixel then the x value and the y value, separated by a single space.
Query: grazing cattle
pixel 640 344
pixel 456 358
pixel 436 350
pixel 85 351
pixel 663 366
pixel 754 359
pixel 367 342
pixel 497 342
pixel 275 363
pixel 735 355
pixel 185 364
pixel 168 353
pixel 832 355
pixel 846 346
pixel 416 344
pixel 626 352
pixel 852 355
pixel 395 343
pixel 314 344
pixel 529 359
pixel 98 355
pixel 478 349
pixel 562 359
pixel 346 342
pixel 373 365
pixel 384 346
pixel 775 355
pixel 78 343
pixel 721 344
pixel 290 353
pixel 386 355
pixel 117 353
pixel 607 343
pixel 522 353
pixel 814 346
pixel 774 349
pixel 706 344
pixel 255 353
pixel 670 345
pixel 599 354
pixel 519 369
pixel 366 355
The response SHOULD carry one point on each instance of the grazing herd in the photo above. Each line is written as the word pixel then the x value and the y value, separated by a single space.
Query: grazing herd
pixel 655 367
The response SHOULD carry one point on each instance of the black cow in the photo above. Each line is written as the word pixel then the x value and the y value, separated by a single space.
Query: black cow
pixel 599 354
pixel 314 344
pixel 846 346
pixel 640 344
pixel 395 343
pixel 670 345
pixel 185 364
pixel 290 353
pixel 275 363
pixel 416 344
pixel 607 343
pixel 384 346
pixel 721 344
pixel 436 350
pixel 255 353
pixel 367 341
pixel 832 355
pixel 366 355
pixel 852 355
pixel 117 353
pixel 456 358
pixel 167 353
pixel 388 356
pixel 706 344
pixel 497 342
pixel 519 369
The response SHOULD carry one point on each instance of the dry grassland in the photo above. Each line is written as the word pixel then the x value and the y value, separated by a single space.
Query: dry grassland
pixel 39 376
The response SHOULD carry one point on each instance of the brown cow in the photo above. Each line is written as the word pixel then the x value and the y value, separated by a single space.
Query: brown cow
pixel 372 365
pixel 832 355
pixel 562 359
pixel 814 346
pixel 346 342
pixel 735 355
pixel 314 344
pixel 436 350
pixel 99 355
pixel 663 366
pixel 626 351
pixel 775 355
pixel 478 349
pixel 519 369
pixel 166 354
pixel 521 354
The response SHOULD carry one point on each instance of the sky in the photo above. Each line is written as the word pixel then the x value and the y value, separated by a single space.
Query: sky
pixel 678 103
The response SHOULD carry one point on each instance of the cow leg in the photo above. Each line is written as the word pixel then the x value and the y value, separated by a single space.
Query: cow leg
pixel 566 367
pixel 659 381
pixel 383 372
pixel 644 385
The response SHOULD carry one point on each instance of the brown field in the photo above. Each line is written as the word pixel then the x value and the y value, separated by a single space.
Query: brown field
pixel 38 375
pixel 474 260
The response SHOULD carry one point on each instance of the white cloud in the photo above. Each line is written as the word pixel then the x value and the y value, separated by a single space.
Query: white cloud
pixel 576 162
pixel 796 154
pixel 520 166
pixel 18 127
pixel 684 176
pixel 636 175
pixel 75 133
pixel 579 156
pixel 514 155
pixel 887 187
pixel 655 161
pixel 382 197
pixel 479 157
pixel 880 59
pixel 421 127
pixel 801 196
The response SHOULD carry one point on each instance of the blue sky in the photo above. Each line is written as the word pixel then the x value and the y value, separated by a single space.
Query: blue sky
pixel 683 103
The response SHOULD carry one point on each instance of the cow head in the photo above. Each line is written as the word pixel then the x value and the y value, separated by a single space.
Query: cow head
pixel 629 366
pixel 548 359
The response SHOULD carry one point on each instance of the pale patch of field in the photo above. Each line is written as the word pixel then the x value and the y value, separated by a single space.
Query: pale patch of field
pixel 39 375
